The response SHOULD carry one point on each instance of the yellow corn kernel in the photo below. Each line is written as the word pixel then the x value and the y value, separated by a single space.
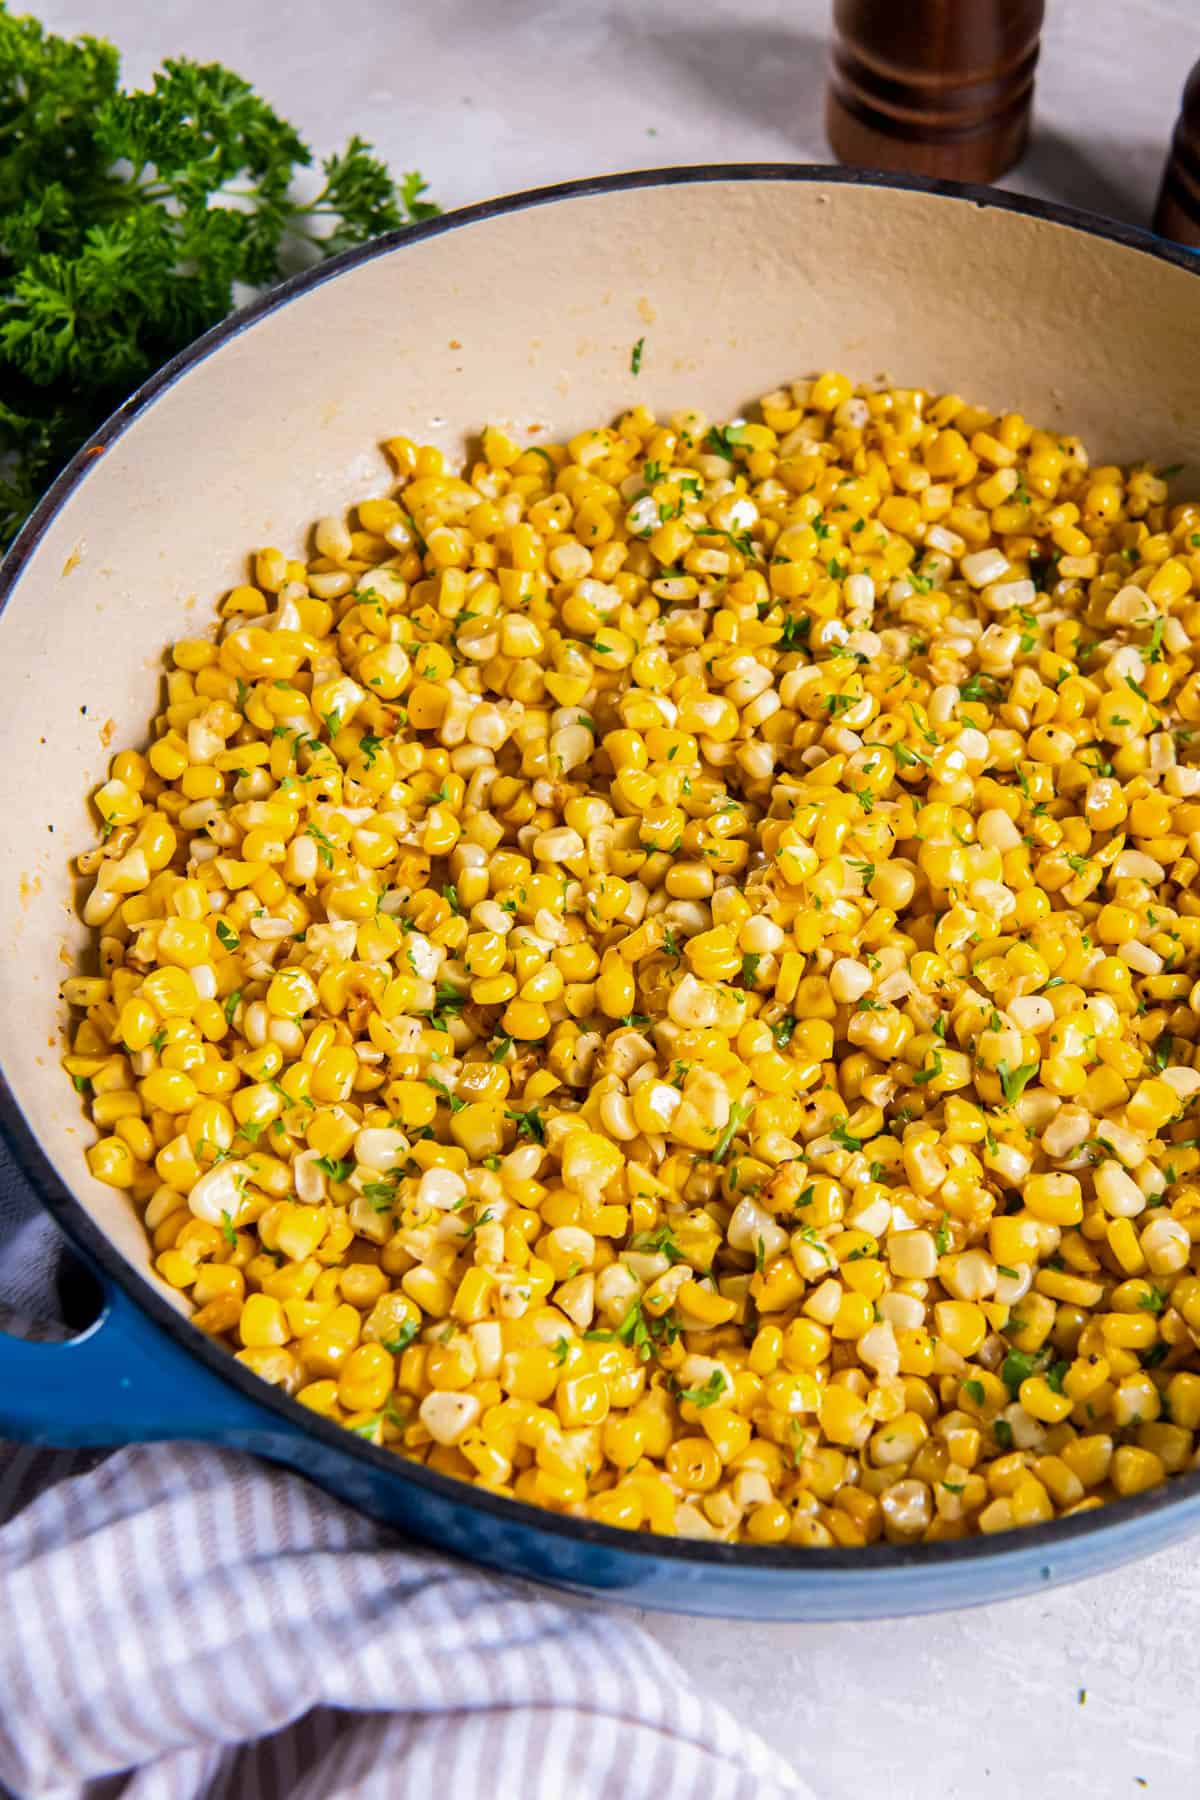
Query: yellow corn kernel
pixel 112 1162
pixel 184 943
pixel 262 1323
pixel 962 1324
pixel 333 1077
pixel 366 1379
pixel 1055 1199
pixel 694 1464
pixel 271 1363
pixel 1089 1458
pixel 844 1417
pixel 169 1090
pixel 171 993
pixel 1041 1401
pixel 1123 1242
pixel 700 1306
pixel 1183 1393
pixel 179 1270
pixel 1134 1469
pixel 320 1397
pixel 137 1024
pixel 726 1430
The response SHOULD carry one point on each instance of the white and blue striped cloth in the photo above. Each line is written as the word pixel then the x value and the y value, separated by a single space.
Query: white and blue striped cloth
pixel 184 1623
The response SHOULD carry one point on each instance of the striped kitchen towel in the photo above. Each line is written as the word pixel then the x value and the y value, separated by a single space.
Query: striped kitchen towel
pixel 184 1623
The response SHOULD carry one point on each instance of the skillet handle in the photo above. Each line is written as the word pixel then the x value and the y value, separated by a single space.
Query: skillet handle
pixel 123 1380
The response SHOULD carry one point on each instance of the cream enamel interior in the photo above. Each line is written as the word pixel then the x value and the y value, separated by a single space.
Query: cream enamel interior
pixel 526 319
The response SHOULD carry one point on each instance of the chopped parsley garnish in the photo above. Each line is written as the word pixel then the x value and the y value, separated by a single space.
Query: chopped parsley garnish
pixel 723 440
pixel 381 1194
pixel 529 1124
pixel 1015 1081
pixel 443 1093
pixel 658 1243
pixel 739 1112
pixel 984 688
pixel 402 1337
pixel 707 1395
pixel 907 758
pixel 448 1003
pixel 643 1334
pixel 325 845
pixel 1018 1366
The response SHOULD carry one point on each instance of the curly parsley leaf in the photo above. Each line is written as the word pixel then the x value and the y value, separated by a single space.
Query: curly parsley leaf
pixel 130 220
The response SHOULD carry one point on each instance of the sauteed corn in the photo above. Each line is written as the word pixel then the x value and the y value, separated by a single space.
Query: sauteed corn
pixel 658 974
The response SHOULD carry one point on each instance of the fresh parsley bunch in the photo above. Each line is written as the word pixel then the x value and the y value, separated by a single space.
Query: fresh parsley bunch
pixel 125 221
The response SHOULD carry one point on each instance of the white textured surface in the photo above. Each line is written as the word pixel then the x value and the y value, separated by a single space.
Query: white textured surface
pixel 487 96
pixel 979 1705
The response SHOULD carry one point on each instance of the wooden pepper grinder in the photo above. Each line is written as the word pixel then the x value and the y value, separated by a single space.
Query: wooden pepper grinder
pixel 933 87
pixel 1177 214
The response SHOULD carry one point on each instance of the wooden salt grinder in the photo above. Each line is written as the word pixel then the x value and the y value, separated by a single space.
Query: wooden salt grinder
pixel 1177 214
pixel 933 87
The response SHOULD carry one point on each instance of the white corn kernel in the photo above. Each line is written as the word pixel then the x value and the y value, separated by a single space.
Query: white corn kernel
pixel 849 980
pixel 381 1148
pixel 441 1188
pixel 446 1416
pixel 982 567
pixel 219 1195
pixel 1120 1193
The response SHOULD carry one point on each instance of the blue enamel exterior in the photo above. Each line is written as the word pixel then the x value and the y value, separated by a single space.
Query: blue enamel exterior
pixel 128 1379
pixel 142 1372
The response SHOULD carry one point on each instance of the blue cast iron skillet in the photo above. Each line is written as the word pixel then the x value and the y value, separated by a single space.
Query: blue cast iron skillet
pixel 141 1372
